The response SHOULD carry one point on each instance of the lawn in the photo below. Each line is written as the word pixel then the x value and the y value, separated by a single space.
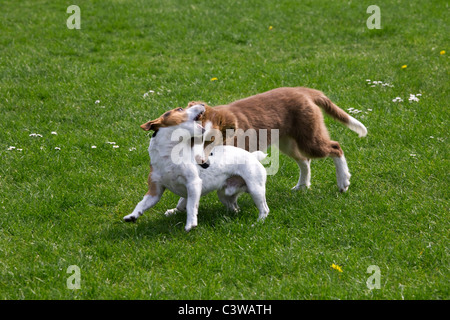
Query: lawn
pixel 67 94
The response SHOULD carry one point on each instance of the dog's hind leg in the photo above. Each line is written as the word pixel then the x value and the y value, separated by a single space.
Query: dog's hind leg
pixel 229 201
pixel 258 194
pixel 289 147
pixel 181 207
pixel 342 173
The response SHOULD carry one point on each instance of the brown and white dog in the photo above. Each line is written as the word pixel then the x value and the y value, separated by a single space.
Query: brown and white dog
pixel 230 171
pixel 296 113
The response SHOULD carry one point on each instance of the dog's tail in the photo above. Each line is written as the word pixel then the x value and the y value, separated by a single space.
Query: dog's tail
pixel 337 113
pixel 259 155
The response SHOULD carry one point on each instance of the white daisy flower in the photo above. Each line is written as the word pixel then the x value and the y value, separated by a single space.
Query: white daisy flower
pixel 94 147
pixel 11 148
pixel 57 148
pixel 115 147
pixel 412 97
pixel 97 101
pixel 147 93
pixel 54 132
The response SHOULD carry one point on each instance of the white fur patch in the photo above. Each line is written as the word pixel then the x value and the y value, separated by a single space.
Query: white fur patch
pixel 342 173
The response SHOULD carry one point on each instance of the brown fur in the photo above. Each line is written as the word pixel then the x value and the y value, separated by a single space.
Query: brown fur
pixel 152 187
pixel 295 112
pixel 169 118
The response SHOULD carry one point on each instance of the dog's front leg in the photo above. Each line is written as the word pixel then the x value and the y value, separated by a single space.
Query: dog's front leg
pixel 146 203
pixel 194 190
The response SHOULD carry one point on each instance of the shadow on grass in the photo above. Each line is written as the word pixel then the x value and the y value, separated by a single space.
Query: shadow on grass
pixel 155 225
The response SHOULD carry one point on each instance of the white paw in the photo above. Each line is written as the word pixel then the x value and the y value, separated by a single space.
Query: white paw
pixel 191 223
pixel 130 218
pixel 301 187
pixel 262 217
pixel 189 227
pixel 170 212
pixel 344 183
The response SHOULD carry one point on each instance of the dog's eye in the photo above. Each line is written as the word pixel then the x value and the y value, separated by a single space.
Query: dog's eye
pixel 180 109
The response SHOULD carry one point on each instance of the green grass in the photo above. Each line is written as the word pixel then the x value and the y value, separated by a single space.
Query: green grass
pixel 65 207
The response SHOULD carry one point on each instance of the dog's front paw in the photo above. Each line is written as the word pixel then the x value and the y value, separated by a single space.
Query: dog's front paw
pixel 301 187
pixel 190 227
pixel 191 223
pixel 130 218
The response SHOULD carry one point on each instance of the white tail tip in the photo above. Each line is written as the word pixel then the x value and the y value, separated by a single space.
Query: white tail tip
pixel 357 126
pixel 259 155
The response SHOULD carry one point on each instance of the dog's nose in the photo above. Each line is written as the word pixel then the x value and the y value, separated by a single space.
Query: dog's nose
pixel 199 159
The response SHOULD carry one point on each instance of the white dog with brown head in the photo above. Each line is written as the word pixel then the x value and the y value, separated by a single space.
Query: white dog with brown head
pixel 229 170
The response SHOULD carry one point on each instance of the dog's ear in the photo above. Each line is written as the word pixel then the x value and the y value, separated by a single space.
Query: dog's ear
pixel 194 103
pixel 151 125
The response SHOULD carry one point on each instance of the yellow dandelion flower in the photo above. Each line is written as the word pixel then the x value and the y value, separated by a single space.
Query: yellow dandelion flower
pixel 270 27
pixel 336 267
pixel 404 66
pixel 442 52
pixel 214 79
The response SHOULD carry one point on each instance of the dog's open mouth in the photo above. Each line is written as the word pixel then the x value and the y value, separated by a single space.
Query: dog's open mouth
pixel 199 116
pixel 198 121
